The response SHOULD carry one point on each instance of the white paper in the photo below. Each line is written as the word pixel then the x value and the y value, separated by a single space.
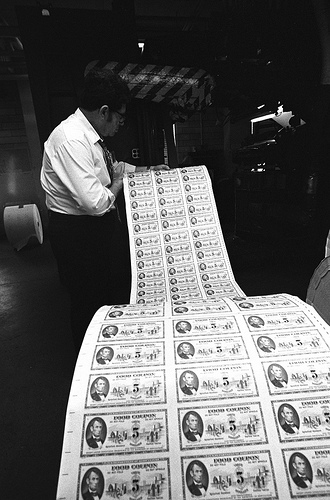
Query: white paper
pixel 177 247
pixel 231 391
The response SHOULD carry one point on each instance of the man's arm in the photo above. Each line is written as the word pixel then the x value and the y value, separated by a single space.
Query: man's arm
pixel 161 166
pixel 124 167
pixel 117 183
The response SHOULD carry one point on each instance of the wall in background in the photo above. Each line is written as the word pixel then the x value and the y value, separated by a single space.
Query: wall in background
pixel 19 168
pixel 199 132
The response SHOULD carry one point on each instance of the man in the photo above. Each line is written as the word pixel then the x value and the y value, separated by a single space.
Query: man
pixel 287 423
pixel 189 387
pixel 300 478
pixel 99 386
pixel 197 488
pixel 181 310
pixel 192 432
pixel 92 481
pixel 183 327
pixel 105 356
pixel 185 350
pixel 96 429
pixel 115 314
pixel 110 331
pixel 246 305
pixel 266 344
pixel 82 181
pixel 277 376
pixel 256 321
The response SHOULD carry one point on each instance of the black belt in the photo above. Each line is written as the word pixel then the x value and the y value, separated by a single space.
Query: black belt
pixel 58 215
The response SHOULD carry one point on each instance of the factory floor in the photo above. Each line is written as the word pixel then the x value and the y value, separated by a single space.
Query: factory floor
pixel 38 357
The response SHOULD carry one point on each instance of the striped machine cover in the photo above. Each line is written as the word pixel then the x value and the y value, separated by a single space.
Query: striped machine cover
pixel 188 89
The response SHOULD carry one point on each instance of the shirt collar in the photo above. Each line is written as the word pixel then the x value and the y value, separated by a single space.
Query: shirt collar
pixel 89 129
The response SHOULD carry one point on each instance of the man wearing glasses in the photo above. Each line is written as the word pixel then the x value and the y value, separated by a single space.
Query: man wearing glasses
pixel 82 180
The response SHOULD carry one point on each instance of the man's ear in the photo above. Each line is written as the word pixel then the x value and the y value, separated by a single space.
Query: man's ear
pixel 104 111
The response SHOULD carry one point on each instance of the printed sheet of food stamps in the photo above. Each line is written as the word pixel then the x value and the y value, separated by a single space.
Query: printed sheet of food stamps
pixel 176 243
pixel 194 390
pixel 225 398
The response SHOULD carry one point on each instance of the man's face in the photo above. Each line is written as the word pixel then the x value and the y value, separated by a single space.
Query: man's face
pixel 300 465
pixel 93 481
pixel 105 353
pixel 254 320
pixel 111 330
pixel 114 120
pixel 196 473
pixel 277 372
pixel 189 379
pixel 192 422
pixel 287 414
pixel 185 348
pixel 96 429
pixel 100 385
pixel 265 342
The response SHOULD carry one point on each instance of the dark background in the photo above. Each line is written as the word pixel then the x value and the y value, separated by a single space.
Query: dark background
pixel 257 51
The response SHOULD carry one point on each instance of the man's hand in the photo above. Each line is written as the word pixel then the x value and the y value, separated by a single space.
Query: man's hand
pixel 118 173
pixel 162 166
pixel 119 168
pixel 117 183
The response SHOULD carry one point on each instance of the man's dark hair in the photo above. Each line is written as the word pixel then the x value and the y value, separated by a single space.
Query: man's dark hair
pixel 96 420
pixel 93 469
pixel 103 87
pixel 193 463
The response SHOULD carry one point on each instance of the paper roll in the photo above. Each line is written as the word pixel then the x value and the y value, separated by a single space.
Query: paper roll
pixel 327 246
pixel 22 223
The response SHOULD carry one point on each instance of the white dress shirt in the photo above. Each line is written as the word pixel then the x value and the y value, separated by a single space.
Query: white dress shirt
pixel 74 173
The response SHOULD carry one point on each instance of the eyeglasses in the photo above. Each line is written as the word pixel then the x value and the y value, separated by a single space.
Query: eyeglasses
pixel 122 116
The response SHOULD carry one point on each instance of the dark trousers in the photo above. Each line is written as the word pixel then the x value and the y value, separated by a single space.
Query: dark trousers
pixel 93 264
